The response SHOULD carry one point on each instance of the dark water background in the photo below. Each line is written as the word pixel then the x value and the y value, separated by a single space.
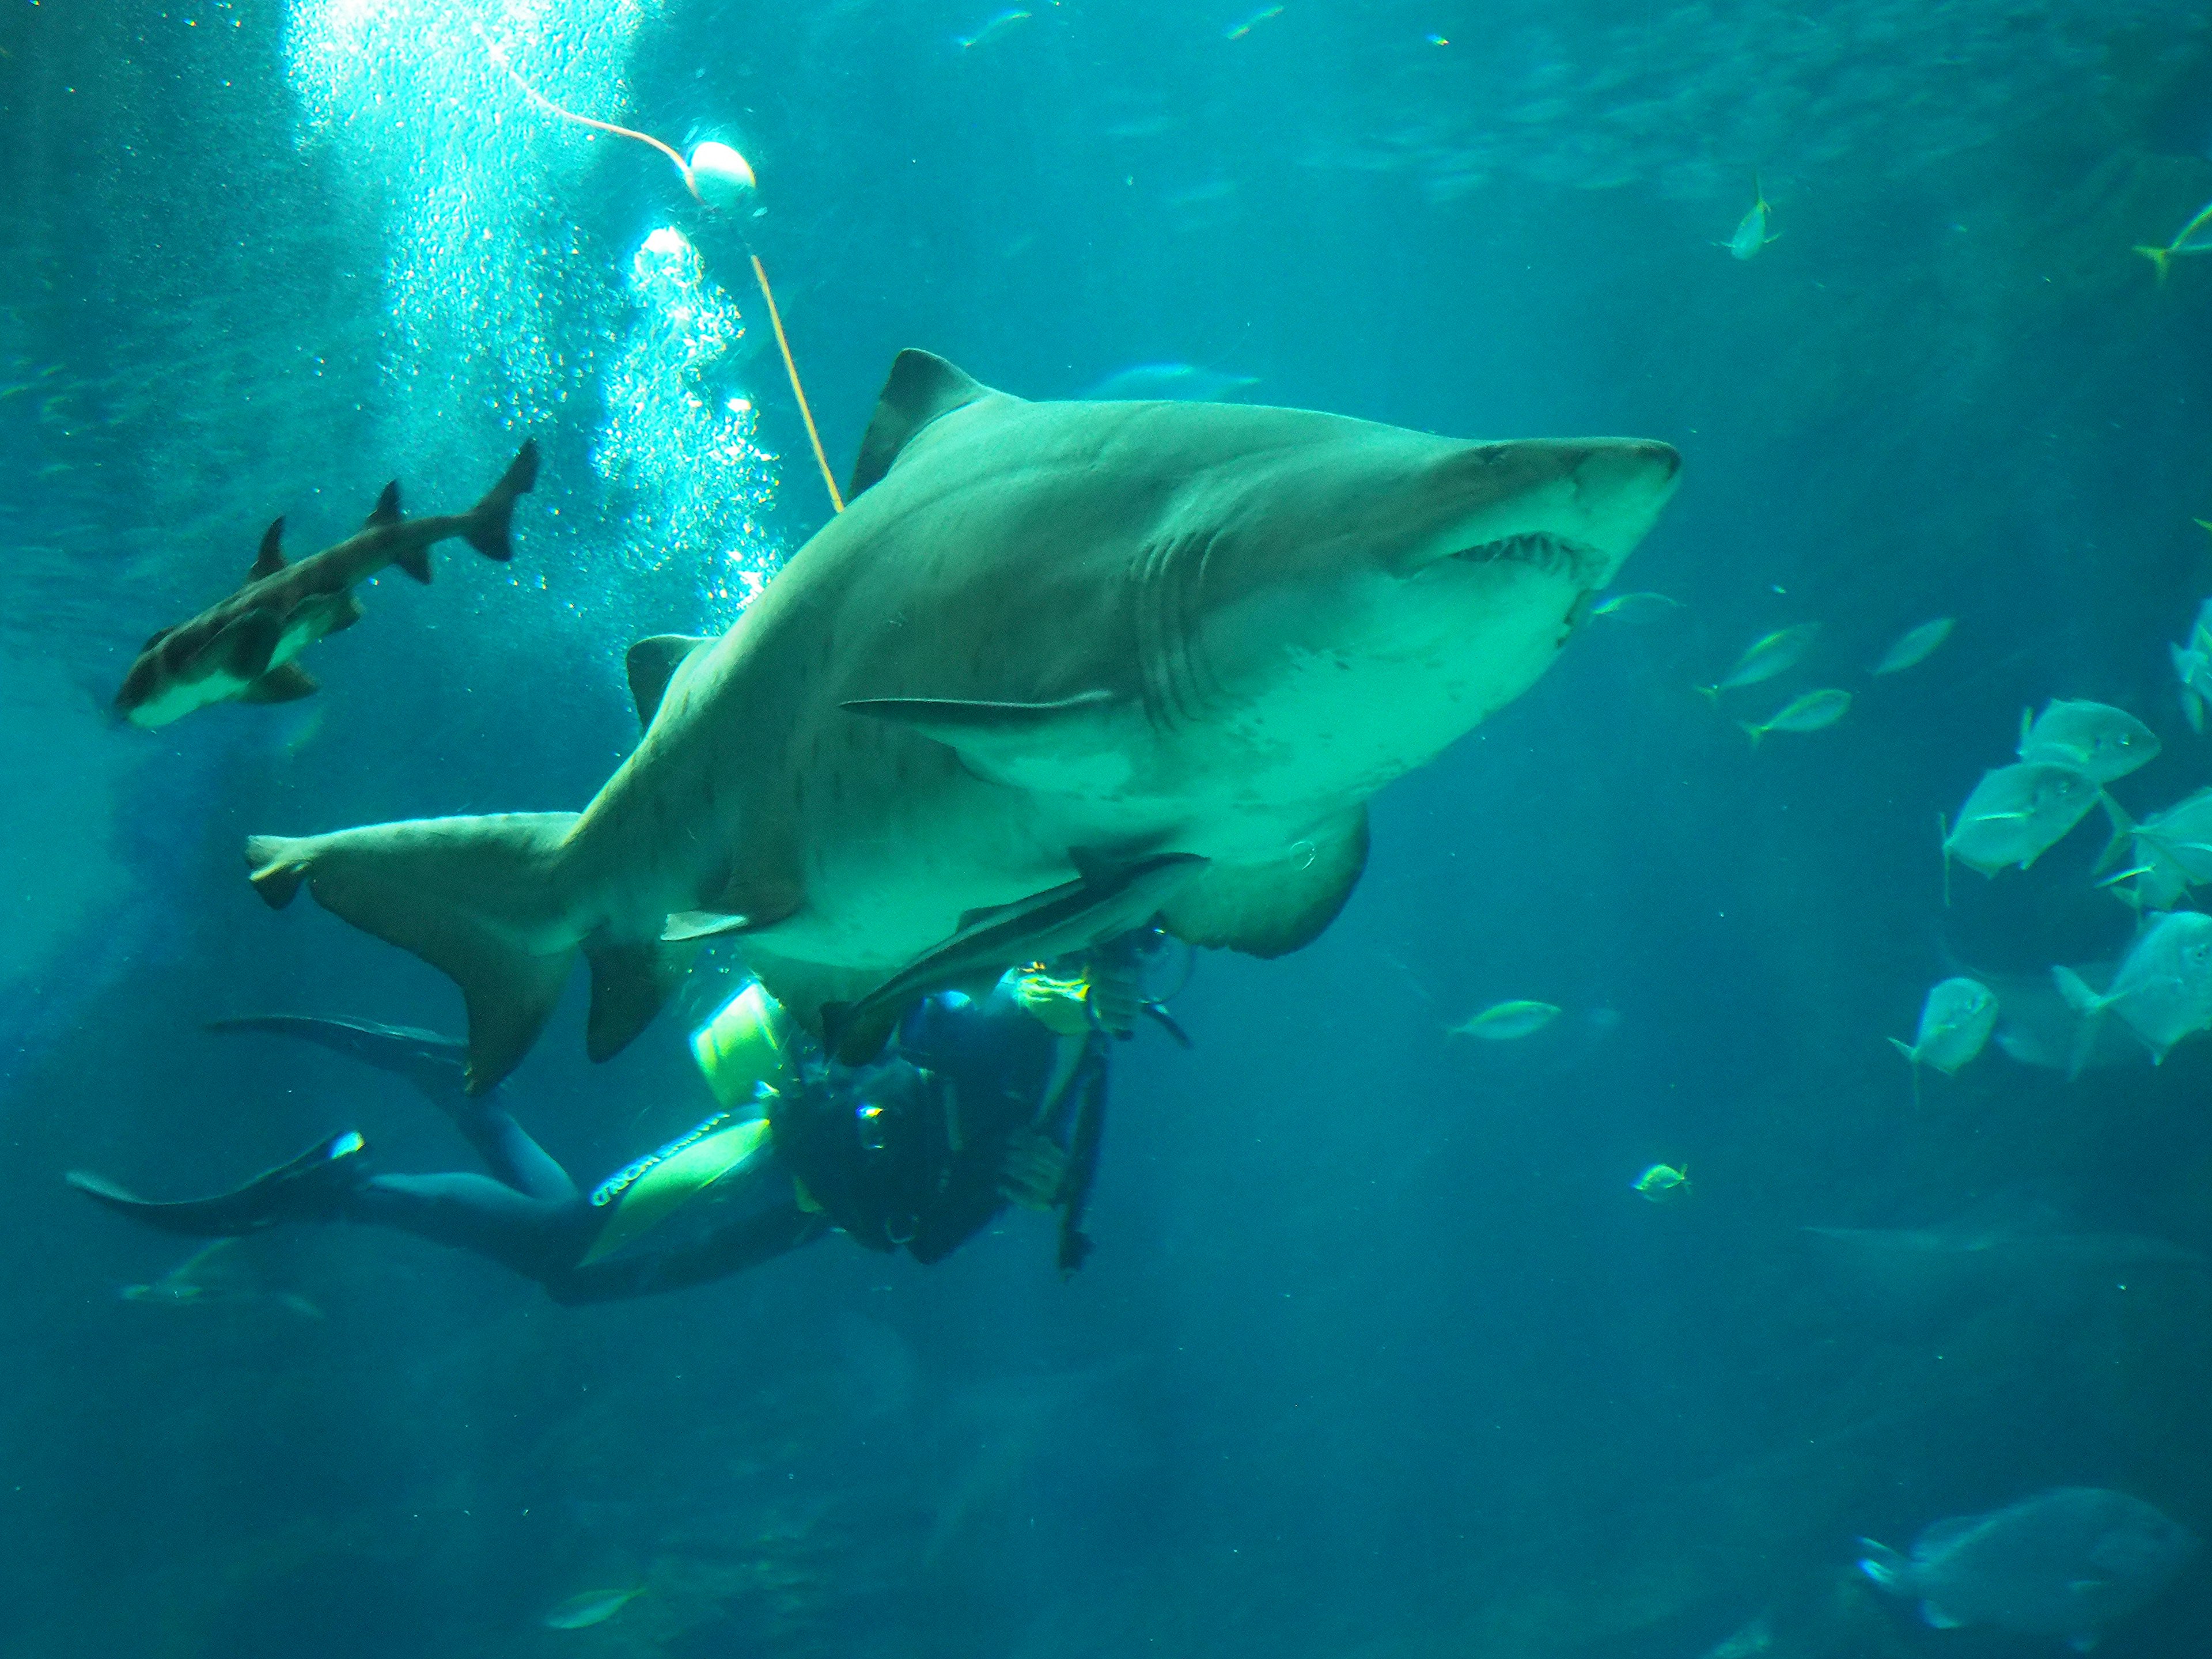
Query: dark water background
pixel 1379 1355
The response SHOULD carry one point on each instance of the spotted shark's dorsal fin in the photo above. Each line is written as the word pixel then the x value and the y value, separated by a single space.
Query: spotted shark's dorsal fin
pixel 386 510
pixel 270 559
pixel 652 663
pixel 921 387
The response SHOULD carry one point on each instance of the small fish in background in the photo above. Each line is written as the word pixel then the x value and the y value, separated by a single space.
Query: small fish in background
pixel 2163 990
pixel 2095 738
pixel 2064 1563
pixel 1502 1022
pixel 1913 647
pixel 991 29
pixel 1637 607
pixel 216 1275
pixel 2017 813
pixel 2194 237
pixel 2192 667
pixel 1816 711
pixel 1662 1184
pixel 1239 30
pixel 1763 657
pixel 591 1608
pixel 1182 383
pixel 1956 1019
pixel 1751 230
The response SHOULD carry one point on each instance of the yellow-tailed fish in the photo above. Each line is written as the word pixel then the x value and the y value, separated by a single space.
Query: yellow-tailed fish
pixel 991 27
pixel 1915 646
pixel 1763 657
pixel 1751 230
pixel 1815 711
pixel 1502 1022
pixel 1237 31
pixel 1664 1182
pixel 1630 607
pixel 2194 237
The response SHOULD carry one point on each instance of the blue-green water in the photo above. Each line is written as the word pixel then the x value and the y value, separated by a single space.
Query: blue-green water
pixel 1379 1354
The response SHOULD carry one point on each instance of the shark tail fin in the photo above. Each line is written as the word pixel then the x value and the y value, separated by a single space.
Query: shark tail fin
pixel 476 898
pixel 2159 257
pixel 489 518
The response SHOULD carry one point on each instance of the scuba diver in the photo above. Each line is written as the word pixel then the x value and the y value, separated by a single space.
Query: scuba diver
pixel 978 1102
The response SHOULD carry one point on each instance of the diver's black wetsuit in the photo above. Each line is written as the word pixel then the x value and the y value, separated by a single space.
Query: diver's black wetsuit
pixel 912 1153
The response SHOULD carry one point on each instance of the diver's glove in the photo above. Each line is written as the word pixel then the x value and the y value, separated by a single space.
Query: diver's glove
pixel 1034 1170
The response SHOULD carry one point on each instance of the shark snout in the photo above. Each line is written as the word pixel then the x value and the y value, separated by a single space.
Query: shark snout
pixel 1585 501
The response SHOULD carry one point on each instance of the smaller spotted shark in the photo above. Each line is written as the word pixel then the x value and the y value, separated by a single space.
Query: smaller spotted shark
pixel 242 647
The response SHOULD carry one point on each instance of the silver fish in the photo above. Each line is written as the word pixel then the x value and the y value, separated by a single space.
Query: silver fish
pixel 1956 1019
pixel 2017 813
pixel 592 1608
pixel 2163 990
pixel 1816 711
pixel 2094 738
pixel 2173 852
pixel 1765 657
pixel 2064 1562
pixel 1913 647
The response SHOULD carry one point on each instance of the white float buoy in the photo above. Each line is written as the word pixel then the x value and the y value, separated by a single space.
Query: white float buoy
pixel 720 176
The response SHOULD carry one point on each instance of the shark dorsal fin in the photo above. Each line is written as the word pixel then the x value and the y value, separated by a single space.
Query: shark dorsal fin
pixel 652 663
pixel 386 510
pixel 270 559
pixel 921 387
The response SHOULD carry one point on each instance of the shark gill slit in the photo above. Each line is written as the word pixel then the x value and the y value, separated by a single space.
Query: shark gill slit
pixel 1169 577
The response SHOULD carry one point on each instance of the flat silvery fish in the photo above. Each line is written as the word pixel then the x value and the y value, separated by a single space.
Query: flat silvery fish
pixel 1504 1021
pixel 1955 1023
pixel 1815 711
pixel 991 27
pixel 2017 813
pixel 2192 665
pixel 592 1608
pixel 2094 738
pixel 2163 990
pixel 2173 852
pixel 1662 1184
pixel 1913 647
pixel 1765 657
pixel 2037 1026
pixel 2064 1562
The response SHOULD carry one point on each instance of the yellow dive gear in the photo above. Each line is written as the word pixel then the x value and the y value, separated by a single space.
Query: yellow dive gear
pixel 1062 1004
pixel 642 1195
pixel 742 1047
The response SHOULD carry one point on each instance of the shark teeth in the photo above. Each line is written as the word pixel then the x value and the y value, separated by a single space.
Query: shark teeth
pixel 1552 554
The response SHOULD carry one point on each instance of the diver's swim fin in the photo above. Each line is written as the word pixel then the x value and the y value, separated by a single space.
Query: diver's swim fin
pixel 311 1188
pixel 438 1065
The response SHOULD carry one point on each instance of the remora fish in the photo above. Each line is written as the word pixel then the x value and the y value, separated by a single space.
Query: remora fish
pixel 1258 617
pixel 243 647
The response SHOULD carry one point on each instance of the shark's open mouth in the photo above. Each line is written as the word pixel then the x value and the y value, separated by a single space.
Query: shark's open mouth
pixel 1549 553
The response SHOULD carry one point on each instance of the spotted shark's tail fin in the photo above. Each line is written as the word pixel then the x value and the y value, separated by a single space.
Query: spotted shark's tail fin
pixel 477 898
pixel 490 518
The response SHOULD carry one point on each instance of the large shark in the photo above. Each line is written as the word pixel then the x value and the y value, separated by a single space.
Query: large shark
pixel 1045 643
pixel 242 646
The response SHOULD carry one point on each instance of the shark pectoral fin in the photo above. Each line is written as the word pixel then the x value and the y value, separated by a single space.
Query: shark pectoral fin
pixel 463 894
pixel 1268 909
pixel 344 613
pixel 286 683
pixel 683 925
pixel 415 561
pixel 652 663
pixel 855 1033
pixel 1065 747
pixel 629 982
pixel 921 387
pixel 270 559
pixel 242 650
pixel 386 510
pixel 805 987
